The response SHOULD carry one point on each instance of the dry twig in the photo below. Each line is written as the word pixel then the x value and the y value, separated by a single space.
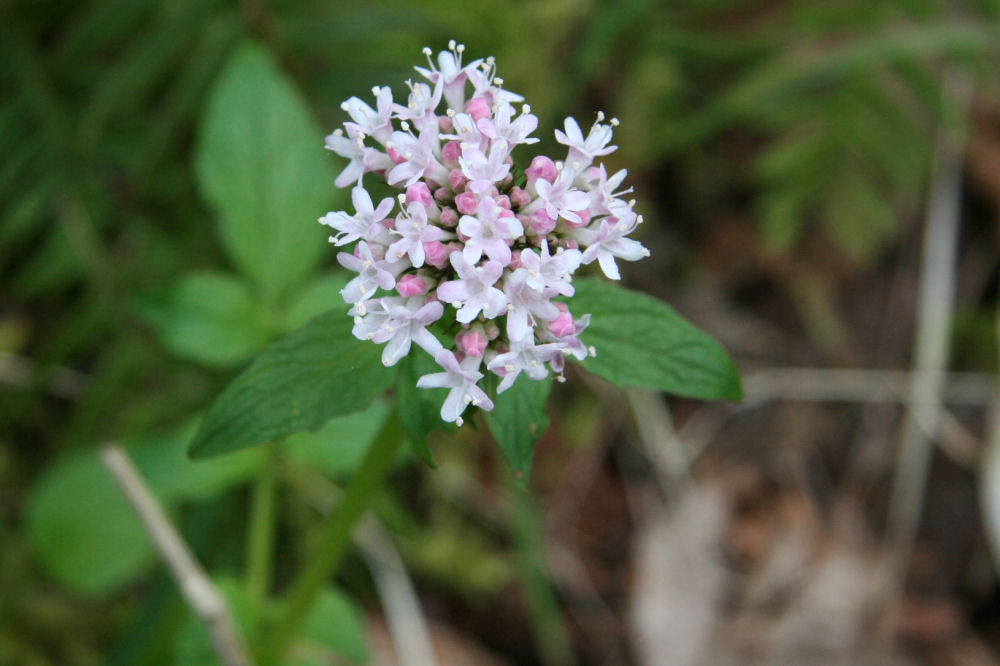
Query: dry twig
pixel 203 597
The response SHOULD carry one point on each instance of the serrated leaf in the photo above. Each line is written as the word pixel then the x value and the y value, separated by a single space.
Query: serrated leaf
pixel 298 383
pixel 211 318
pixel 643 342
pixel 83 530
pixel 261 165
pixel 518 420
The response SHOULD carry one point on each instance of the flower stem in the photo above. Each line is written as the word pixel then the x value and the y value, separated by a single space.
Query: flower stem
pixel 551 635
pixel 260 536
pixel 334 540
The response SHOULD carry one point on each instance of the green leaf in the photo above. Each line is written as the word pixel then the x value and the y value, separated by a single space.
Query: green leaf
pixel 193 646
pixel 333 629
pixel 518 421
pixel 334 624
pixel 298 383
pixel 211 318
pixel 261 165
pixel 419 409
pixel 316 297
pixel 164 464
pixel 642 342
pixel 338 447
pixel 83 530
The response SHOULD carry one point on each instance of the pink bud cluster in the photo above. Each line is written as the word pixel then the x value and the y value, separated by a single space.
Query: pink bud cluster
pixel 466 262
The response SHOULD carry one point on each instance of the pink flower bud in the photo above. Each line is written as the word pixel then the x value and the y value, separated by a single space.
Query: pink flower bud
pixel 457 180
pixel 471 342
pixel 450 154
pixel 467 203
pixel 478 108
pixel 491 329
pixel 436 254
pixel 445 124
pixel 411 285
pixel 515 260
pixel 503 201
pixel 562 325
pixel 419 193
pixel 519 198
pixel 442 194
pixel 541 223
pixel 541 167
pixel 449 217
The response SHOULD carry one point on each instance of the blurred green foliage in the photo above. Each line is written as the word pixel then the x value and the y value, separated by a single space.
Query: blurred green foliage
pixel 820 113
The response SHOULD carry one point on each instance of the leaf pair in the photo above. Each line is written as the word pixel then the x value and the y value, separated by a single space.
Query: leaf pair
pixel 322 371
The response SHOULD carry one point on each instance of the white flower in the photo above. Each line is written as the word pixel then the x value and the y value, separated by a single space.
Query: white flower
pixel 469 269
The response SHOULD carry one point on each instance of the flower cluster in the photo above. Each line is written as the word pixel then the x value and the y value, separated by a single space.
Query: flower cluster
pixel 466 265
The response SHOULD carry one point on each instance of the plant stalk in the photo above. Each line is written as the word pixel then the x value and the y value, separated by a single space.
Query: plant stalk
pixel 260 536
pixel 335 539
